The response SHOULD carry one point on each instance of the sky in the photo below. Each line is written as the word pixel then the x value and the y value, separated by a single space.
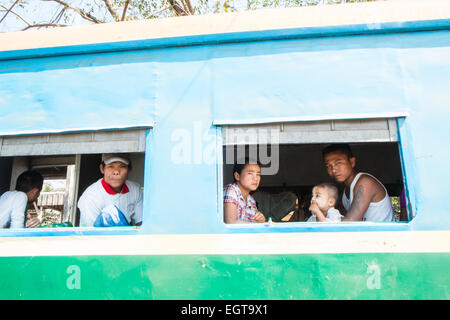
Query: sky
pixel 39 11
pixel 57 184
pixel 36 11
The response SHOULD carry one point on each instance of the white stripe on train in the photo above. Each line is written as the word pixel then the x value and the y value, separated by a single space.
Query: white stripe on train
pixel 261 243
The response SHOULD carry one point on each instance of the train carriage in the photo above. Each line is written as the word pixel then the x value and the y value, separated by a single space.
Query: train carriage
pixel 185 97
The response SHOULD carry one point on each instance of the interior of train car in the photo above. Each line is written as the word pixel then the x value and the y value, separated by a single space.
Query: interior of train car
pixel 69 163
pixel 290 154
pixel 284 194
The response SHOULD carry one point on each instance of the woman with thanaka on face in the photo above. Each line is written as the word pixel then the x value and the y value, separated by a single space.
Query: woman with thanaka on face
pixel 324 198
pixel 238 204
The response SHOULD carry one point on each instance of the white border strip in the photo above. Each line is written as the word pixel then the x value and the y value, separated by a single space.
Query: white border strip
pixel 230 244
pixel 344 116
pixel 76 130
pixel 370 13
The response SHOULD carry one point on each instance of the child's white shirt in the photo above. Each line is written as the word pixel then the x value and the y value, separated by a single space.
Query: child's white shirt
pixel 333 215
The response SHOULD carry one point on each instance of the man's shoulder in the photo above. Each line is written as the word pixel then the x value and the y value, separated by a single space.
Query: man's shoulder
pixel 133 186
pixel 370 184
pixel 14 196
pixel 367 179
pixel 92 189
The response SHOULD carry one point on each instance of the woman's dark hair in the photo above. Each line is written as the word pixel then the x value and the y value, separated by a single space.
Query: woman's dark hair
pixel 340 147
pixel 240 165
pixel 29 180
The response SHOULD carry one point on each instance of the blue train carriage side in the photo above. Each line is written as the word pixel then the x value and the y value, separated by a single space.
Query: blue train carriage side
pixel 184 97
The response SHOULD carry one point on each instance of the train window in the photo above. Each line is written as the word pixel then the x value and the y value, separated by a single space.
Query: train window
pixel 69 163
pixel 291 160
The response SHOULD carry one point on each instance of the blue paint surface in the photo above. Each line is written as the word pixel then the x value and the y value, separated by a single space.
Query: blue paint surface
pixel 67 93
pixel 184 89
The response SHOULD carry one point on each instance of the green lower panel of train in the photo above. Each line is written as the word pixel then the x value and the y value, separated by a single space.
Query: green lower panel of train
pixel 291 276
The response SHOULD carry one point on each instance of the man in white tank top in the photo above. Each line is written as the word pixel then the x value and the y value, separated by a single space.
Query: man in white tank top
pixel 365 198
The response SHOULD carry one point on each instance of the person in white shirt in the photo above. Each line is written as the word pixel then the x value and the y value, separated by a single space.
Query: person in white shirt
pixel 324 198
pixel 111 195
pixel 13 204
pixel 364 197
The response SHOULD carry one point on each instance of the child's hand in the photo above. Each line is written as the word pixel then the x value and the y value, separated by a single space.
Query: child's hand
pixel 314 208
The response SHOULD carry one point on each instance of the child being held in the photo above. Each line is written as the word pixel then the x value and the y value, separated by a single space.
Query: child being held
pixel 324 198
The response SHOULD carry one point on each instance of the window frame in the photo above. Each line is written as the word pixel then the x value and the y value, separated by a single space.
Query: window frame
pixel 93 231
pixel 300 226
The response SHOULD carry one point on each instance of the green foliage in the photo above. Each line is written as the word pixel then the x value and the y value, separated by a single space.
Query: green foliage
pixel 50 217
pixel 47 187
pixel 396 207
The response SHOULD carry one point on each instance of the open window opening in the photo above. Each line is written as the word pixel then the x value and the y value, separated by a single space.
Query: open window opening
pixel 69 164
pixel 291 161
pixel 55 203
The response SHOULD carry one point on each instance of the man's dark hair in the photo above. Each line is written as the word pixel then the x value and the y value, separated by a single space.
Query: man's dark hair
pixel 340 147
pixel 240 165
pixel 29 180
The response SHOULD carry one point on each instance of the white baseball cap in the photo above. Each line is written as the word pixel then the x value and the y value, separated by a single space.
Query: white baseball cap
pixel 108 158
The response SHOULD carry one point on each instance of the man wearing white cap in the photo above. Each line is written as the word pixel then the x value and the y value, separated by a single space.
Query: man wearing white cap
pixel 112 191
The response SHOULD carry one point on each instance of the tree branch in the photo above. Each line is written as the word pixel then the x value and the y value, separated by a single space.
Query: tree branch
pixel 125 7
pixel 82 13
pixel 187 5
pixel 111 10
pixel 177 8
pixel 154 14
pixel 43 25
pixel 59 16
pixel 8 10
pixel 17 15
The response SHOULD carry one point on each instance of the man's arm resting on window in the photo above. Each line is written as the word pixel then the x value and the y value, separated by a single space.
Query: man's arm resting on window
pixel 362 196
